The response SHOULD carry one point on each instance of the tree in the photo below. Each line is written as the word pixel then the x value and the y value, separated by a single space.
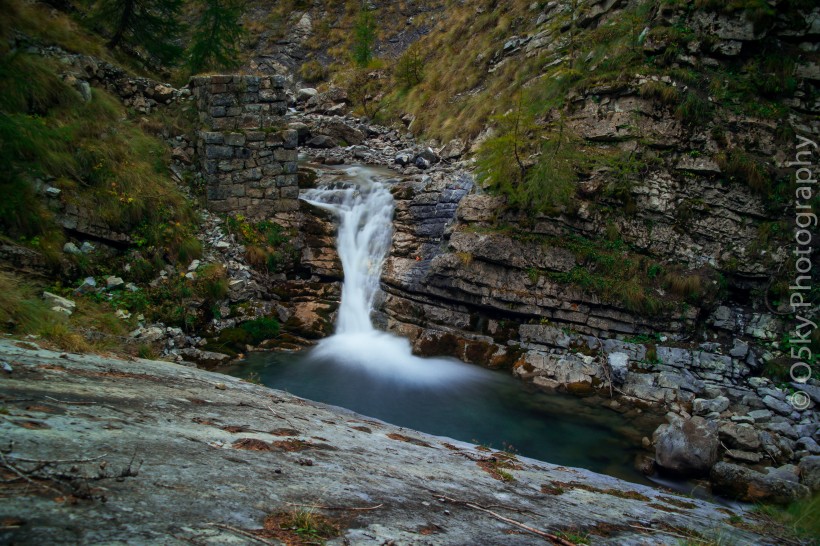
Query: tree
pixel 365 36
pixel 151 25
pixel 215 41
pixel 410 67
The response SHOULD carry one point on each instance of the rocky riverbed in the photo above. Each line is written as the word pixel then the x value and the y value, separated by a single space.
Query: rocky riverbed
pixel 102 450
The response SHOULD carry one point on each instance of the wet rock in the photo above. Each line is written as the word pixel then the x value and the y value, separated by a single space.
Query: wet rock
pixel 688 447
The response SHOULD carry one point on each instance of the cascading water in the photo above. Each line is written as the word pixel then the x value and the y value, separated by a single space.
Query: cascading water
pixel 365 211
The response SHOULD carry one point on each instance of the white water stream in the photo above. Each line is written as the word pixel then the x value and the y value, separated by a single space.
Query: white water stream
pixel 365 212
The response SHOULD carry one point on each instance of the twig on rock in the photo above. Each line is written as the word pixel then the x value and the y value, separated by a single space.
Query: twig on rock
pixel 543 534
pixel 319 507
pixel 242 532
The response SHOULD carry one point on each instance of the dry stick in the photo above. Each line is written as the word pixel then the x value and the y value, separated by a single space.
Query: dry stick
pixel 664 532
pixel 241 532
pixel 58 461
pixel 337 507
pixel 280 417
pixel 29 480
pixel 71 402
pixel 543 534
pixel 604 365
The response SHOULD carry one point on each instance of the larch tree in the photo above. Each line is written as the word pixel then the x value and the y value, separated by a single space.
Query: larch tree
pixel 216 38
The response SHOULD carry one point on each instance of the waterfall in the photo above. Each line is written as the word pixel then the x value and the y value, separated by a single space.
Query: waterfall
pixel 364 209
pixel 365 217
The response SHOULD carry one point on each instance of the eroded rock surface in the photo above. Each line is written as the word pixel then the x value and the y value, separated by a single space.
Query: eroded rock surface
pixel 159 453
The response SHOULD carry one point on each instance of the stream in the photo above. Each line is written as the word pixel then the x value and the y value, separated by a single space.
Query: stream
pixel 375 373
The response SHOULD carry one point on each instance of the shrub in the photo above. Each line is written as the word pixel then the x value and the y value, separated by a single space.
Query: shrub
pixel 261 329
pixel 693 110
pixel 739 165
pixel 313 71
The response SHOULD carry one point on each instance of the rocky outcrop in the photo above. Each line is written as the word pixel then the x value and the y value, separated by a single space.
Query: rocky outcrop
pixel 185 456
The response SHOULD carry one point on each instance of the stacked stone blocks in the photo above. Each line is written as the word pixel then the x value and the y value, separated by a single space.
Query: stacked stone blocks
pixel 248 159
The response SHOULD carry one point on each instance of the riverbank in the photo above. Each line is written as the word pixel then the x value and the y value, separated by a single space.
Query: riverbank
pixel 106 450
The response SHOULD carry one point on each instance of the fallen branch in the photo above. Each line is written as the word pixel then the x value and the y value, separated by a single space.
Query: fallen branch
pixel 663 532
pixel 543 534
pixel 242 532
pixel 71 402
pixel 319 507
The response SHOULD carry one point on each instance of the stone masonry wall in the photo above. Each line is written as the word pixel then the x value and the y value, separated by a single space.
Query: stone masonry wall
pixel 248 155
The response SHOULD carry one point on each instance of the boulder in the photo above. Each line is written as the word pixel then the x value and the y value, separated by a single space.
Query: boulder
pixel 340 132
pixel 422 163
pixel 321 141
pixel 59 304
pixel 687 447
pixel 619 365
pixel 453 149
pixel 739 436
pixel 749 485
pixel 88 285
pixel 302 131
pixel 71 248
pixel 703 407
pixel 208 358
pixel 114 283
pixel 305 94
pixel 403 158
pixel 429 155
pixel 779 406
pixel 809 472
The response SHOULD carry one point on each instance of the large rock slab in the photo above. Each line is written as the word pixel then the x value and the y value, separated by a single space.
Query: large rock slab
pixel 213 456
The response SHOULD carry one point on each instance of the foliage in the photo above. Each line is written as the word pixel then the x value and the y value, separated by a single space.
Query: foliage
pixel 739 165
pixel 267 245
pixel 150 25
pixel 216 37
pixel 364 37
pixel 312 71
pixel 409 69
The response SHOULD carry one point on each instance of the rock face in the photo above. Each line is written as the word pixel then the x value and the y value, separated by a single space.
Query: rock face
pixel 248 163
pixel 687 447
pixel 179 455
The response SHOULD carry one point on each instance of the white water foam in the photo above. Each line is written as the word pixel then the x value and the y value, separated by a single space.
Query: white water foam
pixel 365 211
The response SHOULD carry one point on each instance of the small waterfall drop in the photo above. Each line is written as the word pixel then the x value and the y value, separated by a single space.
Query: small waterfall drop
pixel 364 208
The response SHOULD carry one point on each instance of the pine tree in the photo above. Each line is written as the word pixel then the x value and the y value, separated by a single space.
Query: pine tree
pixel 150 25
pixel 365 34
pixel 215 42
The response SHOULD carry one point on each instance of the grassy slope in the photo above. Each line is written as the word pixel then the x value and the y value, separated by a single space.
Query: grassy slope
pixel 104 158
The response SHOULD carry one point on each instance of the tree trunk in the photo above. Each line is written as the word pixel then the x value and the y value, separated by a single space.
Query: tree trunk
pixel 122 25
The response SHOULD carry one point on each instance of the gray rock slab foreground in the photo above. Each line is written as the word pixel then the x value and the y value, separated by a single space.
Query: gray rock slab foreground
pixel 188 432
